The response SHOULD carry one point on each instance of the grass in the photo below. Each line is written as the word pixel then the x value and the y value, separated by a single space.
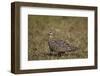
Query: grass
pixel 70 29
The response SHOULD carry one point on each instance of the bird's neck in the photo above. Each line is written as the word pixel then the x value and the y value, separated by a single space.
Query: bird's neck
pixel 50 37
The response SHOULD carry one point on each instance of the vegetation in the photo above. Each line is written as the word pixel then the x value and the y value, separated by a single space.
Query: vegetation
pixel 70 29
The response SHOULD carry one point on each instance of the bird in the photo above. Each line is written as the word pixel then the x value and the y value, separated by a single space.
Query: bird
pixel 59 47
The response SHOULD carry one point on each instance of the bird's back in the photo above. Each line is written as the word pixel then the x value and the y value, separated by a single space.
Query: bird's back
pixel 60 46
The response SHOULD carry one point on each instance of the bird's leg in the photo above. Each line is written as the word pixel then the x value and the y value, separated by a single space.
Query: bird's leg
pixel 60 53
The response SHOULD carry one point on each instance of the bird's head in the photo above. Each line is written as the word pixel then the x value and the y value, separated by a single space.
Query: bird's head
pixel 50 34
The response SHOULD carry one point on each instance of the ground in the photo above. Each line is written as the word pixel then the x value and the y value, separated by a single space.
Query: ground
pixel 70 29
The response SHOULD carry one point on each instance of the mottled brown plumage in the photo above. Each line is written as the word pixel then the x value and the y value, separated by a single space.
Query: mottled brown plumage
pixel 59 46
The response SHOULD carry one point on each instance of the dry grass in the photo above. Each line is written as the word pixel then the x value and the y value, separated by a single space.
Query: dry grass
pixel 69 29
